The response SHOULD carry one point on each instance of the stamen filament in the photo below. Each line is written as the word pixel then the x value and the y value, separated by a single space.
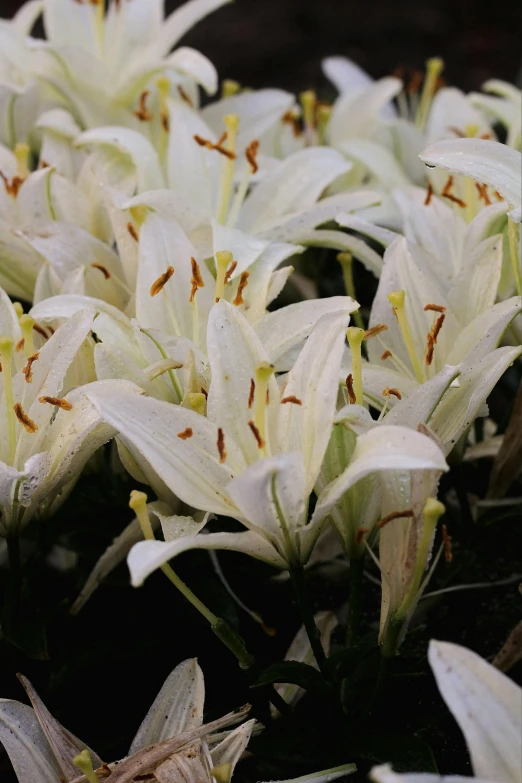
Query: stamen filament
pixel 355 338
pixel 346 262
pixel 163 85
pixel 308 102
pixel 227 168
pixel 223 260
pixel 26 325
pixel 397 299
pixel 6 355
pixel 434 68
pixel 138 503
pixel 264 372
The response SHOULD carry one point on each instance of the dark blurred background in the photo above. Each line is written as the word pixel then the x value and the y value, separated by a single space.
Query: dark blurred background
pixel 281 42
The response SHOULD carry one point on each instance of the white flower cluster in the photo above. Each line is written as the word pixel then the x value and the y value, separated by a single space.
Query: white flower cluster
pixel 147 236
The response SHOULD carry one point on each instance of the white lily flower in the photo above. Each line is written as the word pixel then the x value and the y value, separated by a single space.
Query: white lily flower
pixel 48 430
pixel 172 740
pixel 101 64
pixel 486 162
pixel 504 104
pixel 486 705
pixel 257 454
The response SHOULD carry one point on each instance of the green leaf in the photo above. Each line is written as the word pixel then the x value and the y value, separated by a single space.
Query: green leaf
pixel 294 672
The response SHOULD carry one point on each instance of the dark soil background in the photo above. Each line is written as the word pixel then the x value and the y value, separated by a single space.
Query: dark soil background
pixel 100 671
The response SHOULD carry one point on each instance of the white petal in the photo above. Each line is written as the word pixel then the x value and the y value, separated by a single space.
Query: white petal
pixel 345 75
pixel 385 774
pixel 189 62
pixel 486 161
pixel 26 744
pixel 147 556
pixel 337 240
pixel 357 115
pixel 324 776
pixel 181 21
pixel 177 708
pixel 230 750
pixel 486 705
pixel 382 449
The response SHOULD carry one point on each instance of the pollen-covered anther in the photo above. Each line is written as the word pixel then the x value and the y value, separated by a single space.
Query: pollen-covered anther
pixel 429 195
pixel 196 280
pixel 103 269
pixel 257 434
pixel 391 391
pixel 60 403
pixel 19 345
pixel 446 543
pixel 483 193
pixel 221 445
pixel 142 113
pixel 41 331
pixel 28 424
pixel 437 326
pixel 185 434
pixel 243 282
pixel 446 193
pixel 251 155
pixel 360 534
pixel 27 370
pixel 349 388
pixel 132 231
pixel 386 355
pixel 185 96
pixel 218 146
pixel 230 271
pixel 428 358
pixel 12 186
pixel 291 398
pixel 434 308
pixel 394 515
pixel 375 330
pixel 251 393
pixel 161 282
pixel 291 118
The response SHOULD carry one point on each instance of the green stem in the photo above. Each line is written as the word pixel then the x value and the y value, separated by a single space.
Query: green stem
pixel 390 645
pixel 305 606
pixel 355 602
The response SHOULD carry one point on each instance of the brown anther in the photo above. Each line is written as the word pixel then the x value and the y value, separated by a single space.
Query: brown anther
pixel 20 345
pixel 292 118
pixel 360 533
pixel 428 358
pixel 27 370
pixel 415 82
pixel 230 271
pixel 162 281
pixel 185 97
pixel 434 308
pixel 457 131
pixel 437 326
pixel 132 231
pixel 204 392
pixel 386 355
pixel 243 282
pixel 41 331
pixel 60 403
pixel 165 122
pixel 349 387
pixel 196 279
pixel 51 329
pixel 218 146
pixel 257 434
pixel 104 770
pixel 252 392
pixel 185 434
pixel 142 113
pixel 394 515
pixel 12 186
pixel 42 164
pixel 292 398
pixel 446 193
pixel 103 269
pixel 485 136
pixel 483 193
pixel 251 155
pixel 446 543
pixel 267 397
pixel 429 195
pixel 221 445
pixel 498 196
pixel 374 331
pixel 27 423
pixel 393 391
